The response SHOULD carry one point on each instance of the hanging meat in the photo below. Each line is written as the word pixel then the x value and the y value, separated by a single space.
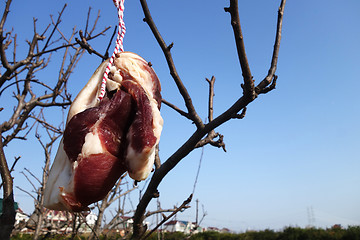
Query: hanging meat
pixel 104 139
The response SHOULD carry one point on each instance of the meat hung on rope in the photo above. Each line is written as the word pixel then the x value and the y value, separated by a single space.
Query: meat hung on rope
pixel 104 139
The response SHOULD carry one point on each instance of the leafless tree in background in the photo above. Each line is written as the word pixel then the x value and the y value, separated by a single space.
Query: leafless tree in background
pixel 52 135
pixel 117 194
pixel 18 79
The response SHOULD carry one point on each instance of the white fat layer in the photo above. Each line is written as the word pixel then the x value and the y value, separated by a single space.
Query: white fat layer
pixel 62 172
pixel 130 63
pixel 92 144
pixel 158 121
pixel 116 74
pixel 112 85
pixel 87 97
pixel 141 164
pixel 60 175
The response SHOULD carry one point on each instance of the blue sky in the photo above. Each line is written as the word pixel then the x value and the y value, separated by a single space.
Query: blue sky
pixel 297 147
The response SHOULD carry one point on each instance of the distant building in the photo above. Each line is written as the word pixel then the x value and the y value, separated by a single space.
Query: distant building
pixel 57 219
pixel 54 221
pixel 62 221
pixel 215 229
pixel 89 224
pixel 20 216
pixel 336 226
pixel 182 226
pixel 120 225
pixel 225 230
pixel 91 219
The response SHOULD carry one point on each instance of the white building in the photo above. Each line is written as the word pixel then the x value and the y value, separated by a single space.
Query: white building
pixel 181 226
pixel 20 220
pixel 63 220
pixel 91 219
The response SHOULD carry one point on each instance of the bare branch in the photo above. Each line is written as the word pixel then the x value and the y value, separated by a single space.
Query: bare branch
pixel 271 73
pixel 211 98
pixel 166 50
pixel 20 74
pixel 241 115
pixel 180 208
pixel 4 61
pixel 110 41
pixel 12 167
pixel 32 184
pixel 195 140
pixel 249 88
pixel 209 139
pixel 181 112
pixel 58 21
pixel 27 192
pixel 4 16
pixel 85 45
pixel 7 219
pixel 33 175
pixel 70 44
pixel 269 88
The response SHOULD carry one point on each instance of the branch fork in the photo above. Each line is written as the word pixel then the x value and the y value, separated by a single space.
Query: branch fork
pixel 205 133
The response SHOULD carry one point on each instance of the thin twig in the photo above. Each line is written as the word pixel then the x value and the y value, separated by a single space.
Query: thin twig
pixel 12 168
pixel 182 206
pixel 181 112
pixel 58 21
pixel 198 170
pixel 33 175
pixel 28 193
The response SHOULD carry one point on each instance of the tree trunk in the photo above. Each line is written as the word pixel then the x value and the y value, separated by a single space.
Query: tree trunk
pixel 40 206
pixel 7 218
pixel 39 225
pixel 97 227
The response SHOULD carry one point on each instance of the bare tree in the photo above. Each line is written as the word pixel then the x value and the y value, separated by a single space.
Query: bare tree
pixel 114 195
pixel 204 133
pixel 18 78
pixel 19 75
pixel 37 221
pixel 53 134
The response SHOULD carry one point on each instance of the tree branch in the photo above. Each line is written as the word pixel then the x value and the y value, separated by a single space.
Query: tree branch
pixel 249 88
pixel 7 218
pixel 166 50
pixel 180 208
pixel 4 61
pixel 181 112
pixel 271 73
pixel 21 73
pixel 248 96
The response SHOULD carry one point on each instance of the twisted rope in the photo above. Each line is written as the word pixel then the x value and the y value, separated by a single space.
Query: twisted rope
pixel 119 4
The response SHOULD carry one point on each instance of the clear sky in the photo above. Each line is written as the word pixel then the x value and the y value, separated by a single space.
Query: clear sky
pixel 297 149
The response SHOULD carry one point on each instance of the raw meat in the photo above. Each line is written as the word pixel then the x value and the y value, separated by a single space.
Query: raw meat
pixel 103 140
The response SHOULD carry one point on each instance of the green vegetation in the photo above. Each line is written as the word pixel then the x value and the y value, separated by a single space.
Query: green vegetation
pixel 288 233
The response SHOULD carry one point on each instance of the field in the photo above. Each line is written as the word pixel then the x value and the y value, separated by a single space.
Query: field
pixel 288 233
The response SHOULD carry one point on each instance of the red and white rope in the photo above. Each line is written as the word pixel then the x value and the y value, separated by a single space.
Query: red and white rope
pixel 119 4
